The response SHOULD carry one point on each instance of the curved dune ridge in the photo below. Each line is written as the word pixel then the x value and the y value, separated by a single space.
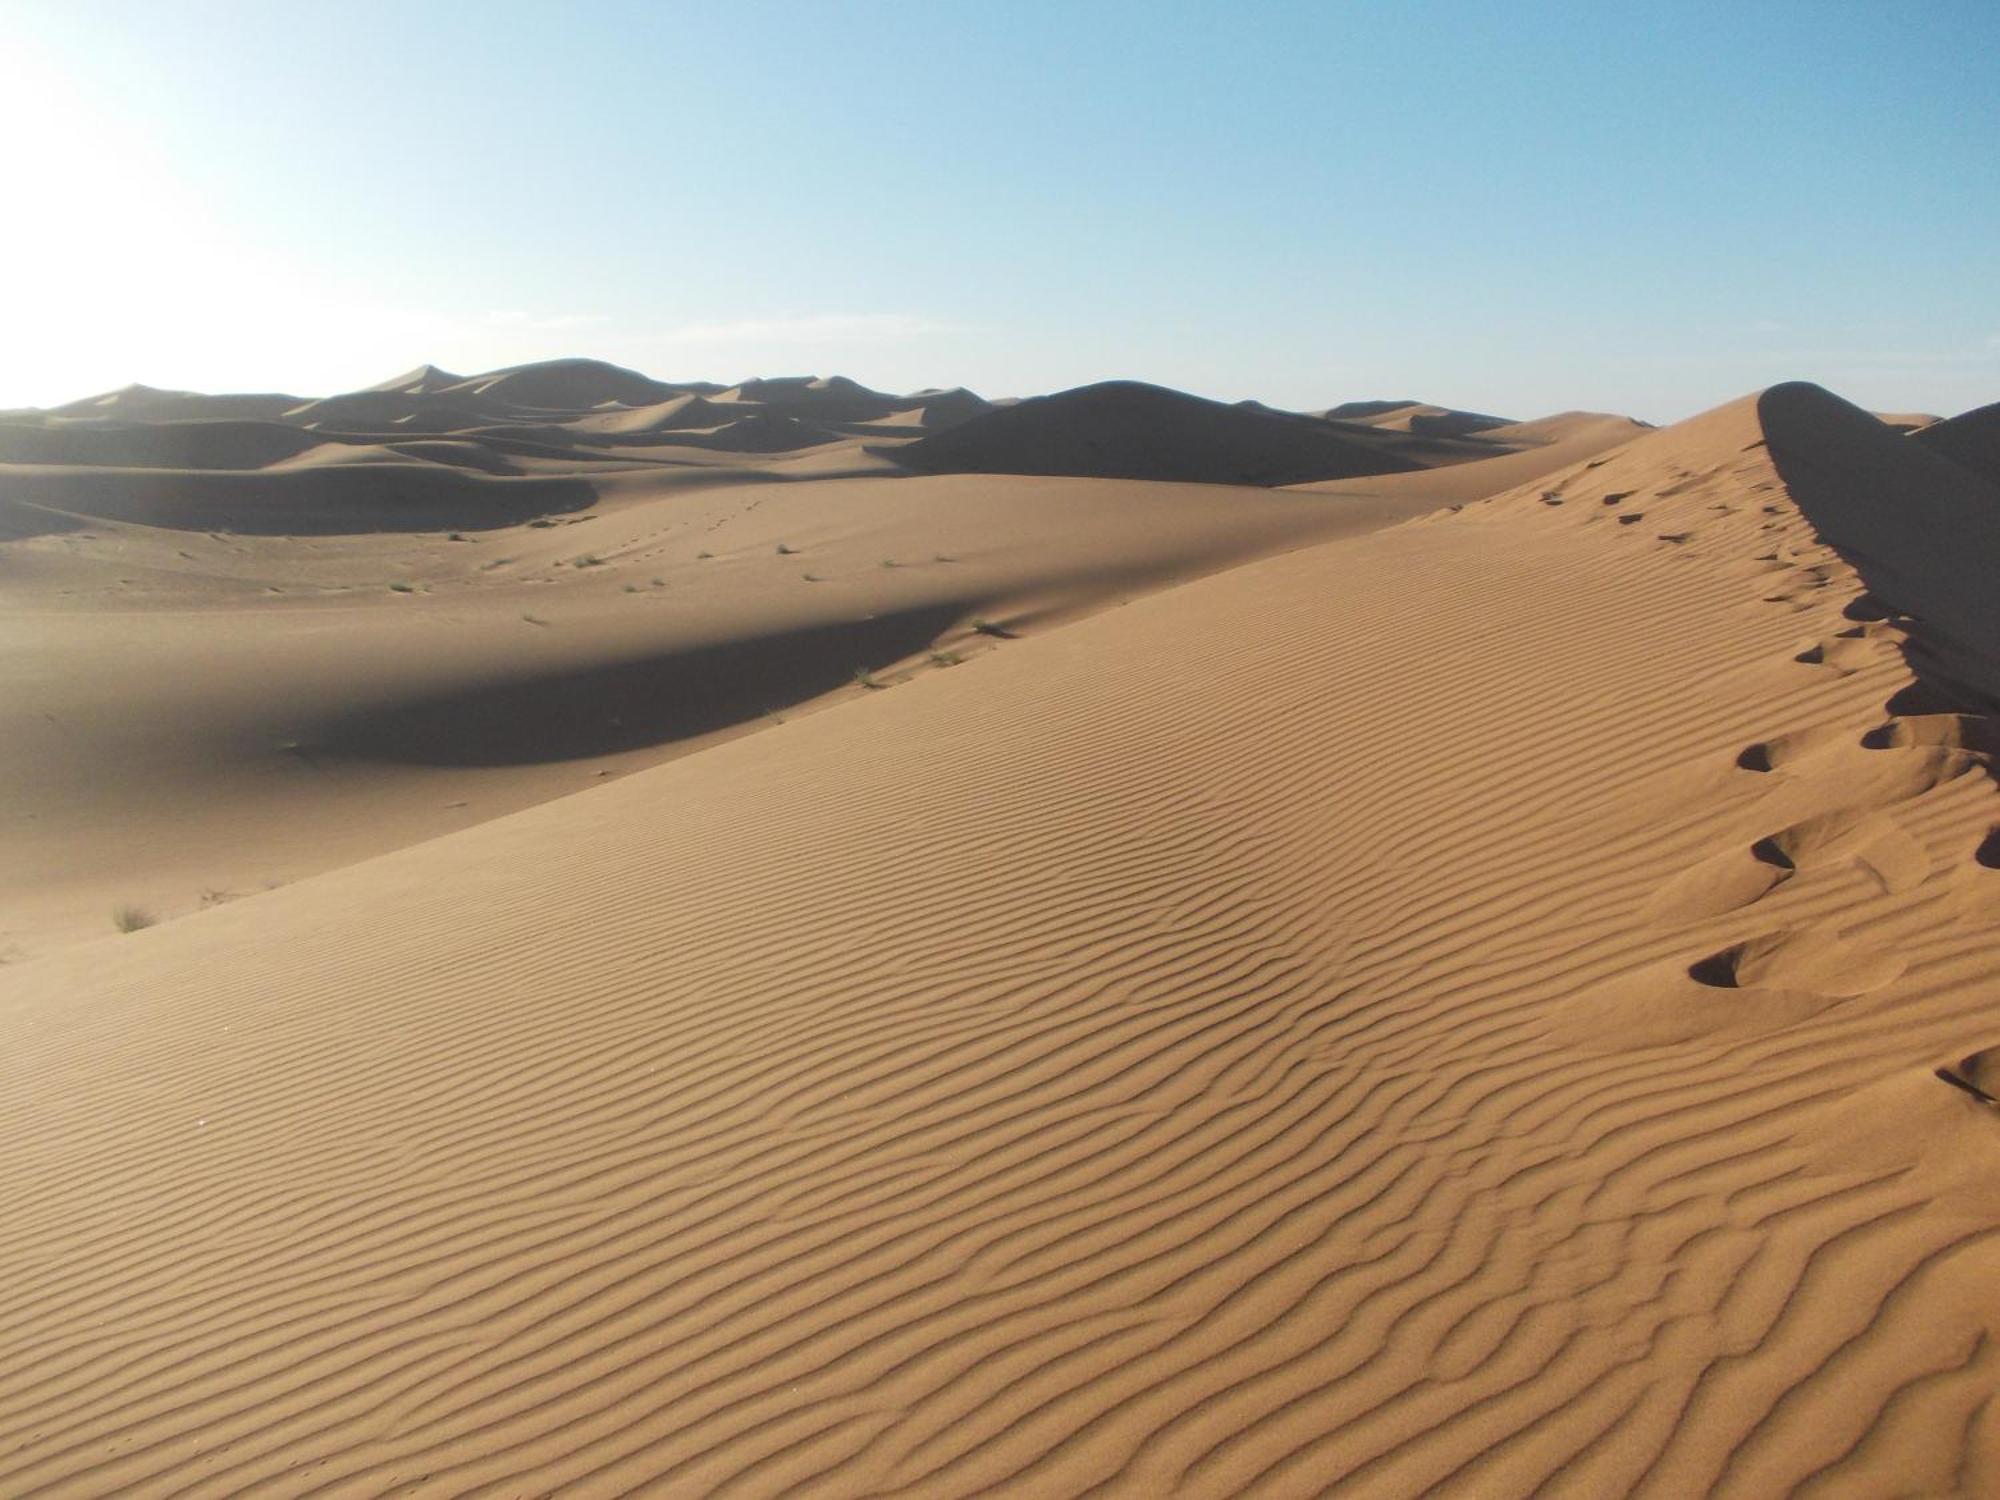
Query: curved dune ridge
pixel 1260 1040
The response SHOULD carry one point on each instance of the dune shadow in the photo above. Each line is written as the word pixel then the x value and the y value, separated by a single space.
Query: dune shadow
pixel 605 707
pixel 1922 534
pixel 337 500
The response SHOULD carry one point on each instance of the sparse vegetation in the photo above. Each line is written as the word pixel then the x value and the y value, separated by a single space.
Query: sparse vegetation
pixel 813 577
pixel 867 679
pixel 215 896
pixel 992 628
pixel 703 556
pixel 785 550
pixel 632 588
pixel 945 658
pixel 945 557
pixel 131 918
pixel 402 588
pixel 890 562
pixel 534 619
pixel 588 560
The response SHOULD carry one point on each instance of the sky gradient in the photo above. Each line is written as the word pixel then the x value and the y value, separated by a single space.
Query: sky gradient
pixel 1516 209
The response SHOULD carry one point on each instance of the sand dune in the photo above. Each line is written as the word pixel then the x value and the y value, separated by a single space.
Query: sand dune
pixel 1971 441
pixel 566 385
pixel 1487 1006
pixel 1415 416
pixel 1129 430
pixel 363 652
pixel 1520 453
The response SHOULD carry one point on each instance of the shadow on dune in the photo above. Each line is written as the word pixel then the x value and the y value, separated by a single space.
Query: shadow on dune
pixel 605 707
pixel 1126 429
pixel 1923 533
pixel 338 500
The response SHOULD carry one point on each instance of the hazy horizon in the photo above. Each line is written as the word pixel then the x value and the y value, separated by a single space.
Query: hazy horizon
pixel 1568 208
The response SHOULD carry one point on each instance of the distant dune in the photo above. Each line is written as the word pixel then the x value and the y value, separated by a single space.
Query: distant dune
pixel 1125 429
pixel 572 954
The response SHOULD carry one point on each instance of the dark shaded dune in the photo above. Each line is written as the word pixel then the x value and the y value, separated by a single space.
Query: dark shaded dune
pixel 157 445
pixel 832 398
pixel 361 411
pixel 21 518
pixel 1421 449
pixel 1970 440
pixel 1921 530
pixel 574 385
pixel 1455 423
pixel 772 388
pixel 1358 411
pixel 458 453
pixel 444 417
pixel 534 440
pixel 954 402
pixel 142 403
pixel 425 380
pixel 761 432
pixel 1129 430
pixel 335 500
pixel 378 411
pixel 683 413
pixel 605 707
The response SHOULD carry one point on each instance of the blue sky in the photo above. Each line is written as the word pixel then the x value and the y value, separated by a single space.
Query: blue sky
pixel 1517 208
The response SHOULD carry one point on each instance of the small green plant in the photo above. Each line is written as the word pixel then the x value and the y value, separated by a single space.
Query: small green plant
pixel 131 918
pixel 945 658
pixel 534 619
pixel 631 588
pixel 992 628
pixel 588 560
pixel 813 577
pixel 703 556
pixel 785 550
pixel 659 583
pixel 402 588
pixel 943 557
pixel 215 896
pixel 867 679
pixel 890 562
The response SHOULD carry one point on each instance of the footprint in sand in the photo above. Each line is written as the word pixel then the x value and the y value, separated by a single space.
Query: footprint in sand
pixel 1848 652
pixel 1814 960
pixel 1736 877
pixel 1976 1074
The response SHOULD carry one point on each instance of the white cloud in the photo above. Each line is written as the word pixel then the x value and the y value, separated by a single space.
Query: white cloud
pixel 815 328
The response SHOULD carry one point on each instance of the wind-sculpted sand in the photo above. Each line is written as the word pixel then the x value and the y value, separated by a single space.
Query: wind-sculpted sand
pixel 1463 1009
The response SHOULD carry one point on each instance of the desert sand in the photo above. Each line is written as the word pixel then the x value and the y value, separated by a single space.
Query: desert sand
pixel 1461 966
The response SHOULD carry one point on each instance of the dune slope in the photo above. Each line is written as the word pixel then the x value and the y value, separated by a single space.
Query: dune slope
pixel 1448 1012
